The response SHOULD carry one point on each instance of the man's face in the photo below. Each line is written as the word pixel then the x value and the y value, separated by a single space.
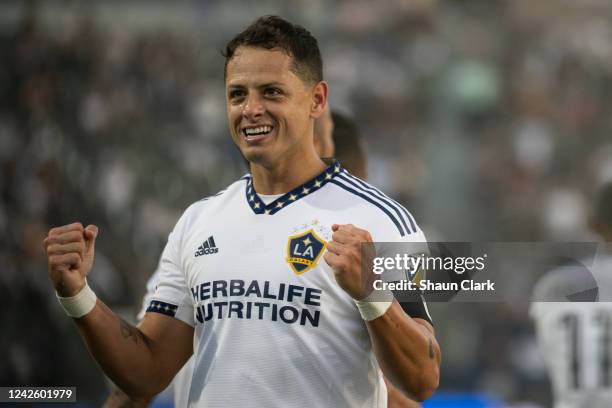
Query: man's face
pixel 269 107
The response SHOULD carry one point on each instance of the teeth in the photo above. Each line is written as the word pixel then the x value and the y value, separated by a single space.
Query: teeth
pixel 257 130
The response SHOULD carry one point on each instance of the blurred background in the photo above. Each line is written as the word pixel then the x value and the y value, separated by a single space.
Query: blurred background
pixel 490 120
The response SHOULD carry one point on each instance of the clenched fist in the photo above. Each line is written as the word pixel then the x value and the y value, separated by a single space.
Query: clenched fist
pixel 352 267
pixel 70 252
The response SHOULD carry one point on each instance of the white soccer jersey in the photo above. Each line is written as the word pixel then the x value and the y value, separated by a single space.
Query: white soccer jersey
pixel 272 326
pixel 576 337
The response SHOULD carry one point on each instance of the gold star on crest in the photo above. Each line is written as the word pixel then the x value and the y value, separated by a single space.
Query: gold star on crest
pixel 307 241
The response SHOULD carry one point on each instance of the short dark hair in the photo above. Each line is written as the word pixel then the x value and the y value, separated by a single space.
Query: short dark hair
pixel 271 32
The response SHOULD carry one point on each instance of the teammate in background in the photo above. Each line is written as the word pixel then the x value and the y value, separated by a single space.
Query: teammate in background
pixel 573 317
pixel 349 145
pixel 264 281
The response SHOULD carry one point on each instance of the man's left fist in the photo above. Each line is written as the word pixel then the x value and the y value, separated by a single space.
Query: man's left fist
pixel 344 255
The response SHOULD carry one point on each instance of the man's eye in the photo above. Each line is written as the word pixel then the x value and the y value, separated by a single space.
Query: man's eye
pixel 272 91
pixel 236 94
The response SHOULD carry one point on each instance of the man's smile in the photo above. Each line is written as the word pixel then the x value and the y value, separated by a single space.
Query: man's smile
pixel 256 133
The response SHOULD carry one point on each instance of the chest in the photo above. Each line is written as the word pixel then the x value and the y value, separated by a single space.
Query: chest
pixel 286 247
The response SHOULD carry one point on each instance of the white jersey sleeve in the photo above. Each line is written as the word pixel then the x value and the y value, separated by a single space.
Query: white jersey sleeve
pixel 172 296
pixel 151 286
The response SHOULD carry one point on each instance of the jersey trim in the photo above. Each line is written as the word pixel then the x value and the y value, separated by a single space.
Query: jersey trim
pixel 259 207
pixel 385 198
pixel 402 213
pixel 372 199
pixel 167 309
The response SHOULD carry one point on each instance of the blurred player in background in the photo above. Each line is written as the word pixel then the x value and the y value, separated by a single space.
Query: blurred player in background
pixel 573 318
pixel 268 273
pixel 349 146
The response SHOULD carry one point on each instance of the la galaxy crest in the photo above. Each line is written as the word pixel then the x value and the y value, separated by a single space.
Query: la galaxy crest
pixel 304 251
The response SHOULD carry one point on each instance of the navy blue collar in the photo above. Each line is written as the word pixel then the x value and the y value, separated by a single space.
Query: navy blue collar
pixel 259 207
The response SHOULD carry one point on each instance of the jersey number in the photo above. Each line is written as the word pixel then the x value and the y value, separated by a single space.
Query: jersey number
pixel 573 326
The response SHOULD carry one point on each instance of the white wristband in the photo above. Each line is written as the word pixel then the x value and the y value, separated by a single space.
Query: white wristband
pixel 375 304
pixel 80 304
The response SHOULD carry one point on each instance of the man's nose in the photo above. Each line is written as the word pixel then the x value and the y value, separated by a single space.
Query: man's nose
pixel 253 107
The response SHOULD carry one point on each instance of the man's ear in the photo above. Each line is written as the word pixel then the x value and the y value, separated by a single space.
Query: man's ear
pixel 319 99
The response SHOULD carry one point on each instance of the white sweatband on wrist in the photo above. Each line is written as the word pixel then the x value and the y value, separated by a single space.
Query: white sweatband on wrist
pixel 80 304
pixel 375 304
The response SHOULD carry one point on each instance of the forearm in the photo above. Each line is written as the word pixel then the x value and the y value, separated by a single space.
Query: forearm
pixel 407 352
pixel 123 351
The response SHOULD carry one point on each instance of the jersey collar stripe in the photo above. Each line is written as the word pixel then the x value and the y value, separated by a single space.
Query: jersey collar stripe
pixel 383 197
pixel 259 207
pixel 369 199
pixel 380 200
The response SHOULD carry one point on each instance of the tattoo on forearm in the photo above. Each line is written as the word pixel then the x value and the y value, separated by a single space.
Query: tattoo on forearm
pixel 128 332
pixel 431 349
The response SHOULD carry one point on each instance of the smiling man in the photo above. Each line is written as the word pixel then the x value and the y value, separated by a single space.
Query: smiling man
pixel 263 282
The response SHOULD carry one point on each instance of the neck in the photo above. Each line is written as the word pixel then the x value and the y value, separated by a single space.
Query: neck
pixel 286 175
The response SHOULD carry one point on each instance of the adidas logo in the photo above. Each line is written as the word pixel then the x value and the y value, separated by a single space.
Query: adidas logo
pixel 208 247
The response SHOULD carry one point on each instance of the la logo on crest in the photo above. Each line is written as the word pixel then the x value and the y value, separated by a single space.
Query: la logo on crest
pixel 304 250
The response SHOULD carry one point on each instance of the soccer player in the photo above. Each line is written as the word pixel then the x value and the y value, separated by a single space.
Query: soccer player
pixel 573 318
pixel 263 282
pixel 324 146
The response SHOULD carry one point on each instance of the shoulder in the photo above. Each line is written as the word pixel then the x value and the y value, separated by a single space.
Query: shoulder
pixel 220 198
pixel 211 204
pixel 373 204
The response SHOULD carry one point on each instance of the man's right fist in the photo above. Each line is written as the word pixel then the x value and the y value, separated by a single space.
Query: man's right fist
pixel 70 252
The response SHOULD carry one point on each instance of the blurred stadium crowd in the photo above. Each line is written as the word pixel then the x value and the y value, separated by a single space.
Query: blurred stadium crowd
pixel 490 120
